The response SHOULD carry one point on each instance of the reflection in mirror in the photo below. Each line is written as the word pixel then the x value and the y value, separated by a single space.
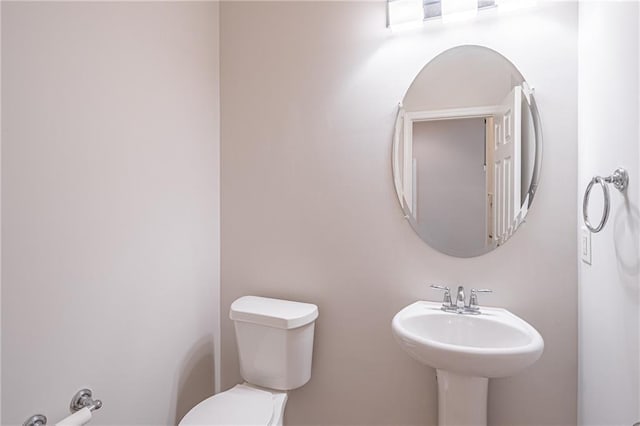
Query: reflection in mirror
pixel 466 151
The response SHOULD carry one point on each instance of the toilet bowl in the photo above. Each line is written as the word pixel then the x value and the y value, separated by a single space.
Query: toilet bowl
pixel 275 346
pixel 241 405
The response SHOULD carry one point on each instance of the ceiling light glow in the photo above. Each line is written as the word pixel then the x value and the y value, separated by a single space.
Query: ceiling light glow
pixel 458 10
pixel 404 12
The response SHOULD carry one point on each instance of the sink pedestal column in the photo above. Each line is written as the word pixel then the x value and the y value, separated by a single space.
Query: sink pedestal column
pixel 462 400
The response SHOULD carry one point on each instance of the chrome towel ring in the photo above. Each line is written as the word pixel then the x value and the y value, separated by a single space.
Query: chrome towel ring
pixel 619 179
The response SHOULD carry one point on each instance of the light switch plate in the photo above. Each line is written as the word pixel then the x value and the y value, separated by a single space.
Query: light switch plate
pixel 585 245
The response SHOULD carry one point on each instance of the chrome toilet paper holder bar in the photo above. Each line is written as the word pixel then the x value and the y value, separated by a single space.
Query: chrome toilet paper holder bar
pixel 83 398
pixel 620 180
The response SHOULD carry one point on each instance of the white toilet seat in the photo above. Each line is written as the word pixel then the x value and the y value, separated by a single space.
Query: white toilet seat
pixel 241 405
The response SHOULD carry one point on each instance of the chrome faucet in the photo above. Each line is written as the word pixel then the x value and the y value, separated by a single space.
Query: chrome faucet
pixel 472 308
pixel 460 299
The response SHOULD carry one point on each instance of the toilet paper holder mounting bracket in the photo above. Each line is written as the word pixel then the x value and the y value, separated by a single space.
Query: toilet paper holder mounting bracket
pixel 84 398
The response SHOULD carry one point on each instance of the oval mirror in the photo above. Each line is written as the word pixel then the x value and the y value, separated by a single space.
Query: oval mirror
pixel 466 151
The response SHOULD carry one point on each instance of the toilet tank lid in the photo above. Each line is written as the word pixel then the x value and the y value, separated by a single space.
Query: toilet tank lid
pixel 269 312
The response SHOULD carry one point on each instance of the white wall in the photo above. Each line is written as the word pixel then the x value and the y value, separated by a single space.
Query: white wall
pixel 448 80
pixel 0 213
pixel 609 379
pixel 109 207
pixel 309 95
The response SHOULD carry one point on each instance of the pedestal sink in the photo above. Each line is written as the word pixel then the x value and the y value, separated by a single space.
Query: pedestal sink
pixel 466 350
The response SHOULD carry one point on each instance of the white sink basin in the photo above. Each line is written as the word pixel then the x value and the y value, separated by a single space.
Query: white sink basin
pixel 495 343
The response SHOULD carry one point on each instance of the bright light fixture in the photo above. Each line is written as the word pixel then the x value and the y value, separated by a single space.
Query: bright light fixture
pixel 404 12
pixel 508 5
pixel 458 10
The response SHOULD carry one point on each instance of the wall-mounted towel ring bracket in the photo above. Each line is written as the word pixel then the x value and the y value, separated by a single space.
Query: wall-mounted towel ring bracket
pixel 620 180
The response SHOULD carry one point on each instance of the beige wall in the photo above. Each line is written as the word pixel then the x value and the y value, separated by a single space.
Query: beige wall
pixel 309 94
pixel 109 208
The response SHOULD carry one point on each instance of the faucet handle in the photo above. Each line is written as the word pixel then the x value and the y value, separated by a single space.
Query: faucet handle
pixel 473 299
pixel 447 294
pixel 439 287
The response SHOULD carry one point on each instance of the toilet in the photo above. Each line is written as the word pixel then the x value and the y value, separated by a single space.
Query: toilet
pixel 275 346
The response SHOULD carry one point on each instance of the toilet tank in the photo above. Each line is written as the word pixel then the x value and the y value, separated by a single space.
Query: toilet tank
pixel 275 340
